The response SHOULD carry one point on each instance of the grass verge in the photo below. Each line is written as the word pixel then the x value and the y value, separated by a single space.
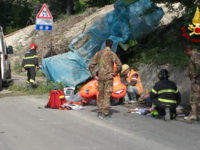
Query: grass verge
pixel 16 69
pixel 40 89
pixel 165 45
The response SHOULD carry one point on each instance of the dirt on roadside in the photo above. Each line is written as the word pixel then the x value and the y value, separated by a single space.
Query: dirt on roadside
pixel 56 41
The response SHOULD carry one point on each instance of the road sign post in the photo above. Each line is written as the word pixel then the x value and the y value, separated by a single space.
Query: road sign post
pixel 44 19
pixel 44 22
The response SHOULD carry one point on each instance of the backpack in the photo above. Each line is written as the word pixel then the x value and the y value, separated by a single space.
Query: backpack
pixel 56 99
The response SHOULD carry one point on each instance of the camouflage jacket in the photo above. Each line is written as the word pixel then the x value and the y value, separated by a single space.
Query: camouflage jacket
pixel 194 67
pixel 104 60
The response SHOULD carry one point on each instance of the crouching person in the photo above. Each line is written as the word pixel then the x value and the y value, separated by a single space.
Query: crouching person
pixel 133 82
pixel 165 96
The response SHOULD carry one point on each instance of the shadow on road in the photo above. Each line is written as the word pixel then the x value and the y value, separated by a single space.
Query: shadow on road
pixel 112 111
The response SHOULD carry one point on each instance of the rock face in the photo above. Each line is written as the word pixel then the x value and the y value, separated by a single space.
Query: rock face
pixel 65 30
pixel 179 75
pixel 56 42
pixel 177 10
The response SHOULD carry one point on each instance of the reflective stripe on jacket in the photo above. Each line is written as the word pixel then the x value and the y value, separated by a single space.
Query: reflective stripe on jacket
pixel 30 59
pixel 165 91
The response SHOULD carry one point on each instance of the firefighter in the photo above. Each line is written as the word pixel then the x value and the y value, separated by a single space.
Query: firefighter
pixel 165 96
pixel 30 64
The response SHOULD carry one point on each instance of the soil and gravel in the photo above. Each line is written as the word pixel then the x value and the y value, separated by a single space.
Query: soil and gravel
pixel 64 30
pixel 56 41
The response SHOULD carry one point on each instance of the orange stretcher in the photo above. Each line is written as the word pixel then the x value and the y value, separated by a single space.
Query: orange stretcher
pixel 90 90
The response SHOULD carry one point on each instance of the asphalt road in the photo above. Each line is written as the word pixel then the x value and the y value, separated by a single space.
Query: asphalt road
pixel 26 125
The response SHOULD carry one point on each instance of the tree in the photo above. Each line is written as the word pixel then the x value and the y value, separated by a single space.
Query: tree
pixel 68 6
pixel 13 14
pixel 61 6
pixel 99 2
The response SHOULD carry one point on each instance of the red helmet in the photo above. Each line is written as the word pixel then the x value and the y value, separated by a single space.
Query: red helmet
pixel 33 46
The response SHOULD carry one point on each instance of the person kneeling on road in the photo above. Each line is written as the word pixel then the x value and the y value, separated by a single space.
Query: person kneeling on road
pixel 133 82
pixel 165 96
pixel 30 64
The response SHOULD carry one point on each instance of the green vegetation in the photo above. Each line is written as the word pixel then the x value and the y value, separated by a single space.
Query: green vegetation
pixel 80 5
pixel 39 73
pixel 163 46
pixel 157 55
pixel 64 17
pixel 16 14
pixel 11 16
pixel 99 3
pixel 40 89
pixel 16 69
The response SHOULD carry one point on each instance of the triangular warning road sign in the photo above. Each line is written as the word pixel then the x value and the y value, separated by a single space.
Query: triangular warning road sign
pixel 44 13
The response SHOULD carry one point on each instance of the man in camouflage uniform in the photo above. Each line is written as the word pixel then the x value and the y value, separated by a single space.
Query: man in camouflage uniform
pixel 194 75
pixel 104 60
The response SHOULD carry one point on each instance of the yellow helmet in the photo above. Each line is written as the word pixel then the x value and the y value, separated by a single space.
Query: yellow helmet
pixel 124 67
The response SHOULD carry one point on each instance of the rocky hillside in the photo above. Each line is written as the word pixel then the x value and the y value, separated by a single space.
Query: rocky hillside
pixel 179 75
pixel 55 42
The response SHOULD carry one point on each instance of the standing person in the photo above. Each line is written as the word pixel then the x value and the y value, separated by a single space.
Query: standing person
pixel 165 96
pixel 133 82
pixel 30 64
pixel 194 75
pixel 105 60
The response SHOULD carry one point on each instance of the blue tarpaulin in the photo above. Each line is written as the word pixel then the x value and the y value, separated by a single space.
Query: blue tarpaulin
pixel 124 23
pixel 68 68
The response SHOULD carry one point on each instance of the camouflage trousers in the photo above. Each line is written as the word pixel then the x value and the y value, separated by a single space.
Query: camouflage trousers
pixel 195 94
pixel 105 90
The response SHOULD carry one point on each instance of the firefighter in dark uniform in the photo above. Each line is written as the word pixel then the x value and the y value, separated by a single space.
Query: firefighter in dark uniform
pixel 165 96
pixel 30 64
